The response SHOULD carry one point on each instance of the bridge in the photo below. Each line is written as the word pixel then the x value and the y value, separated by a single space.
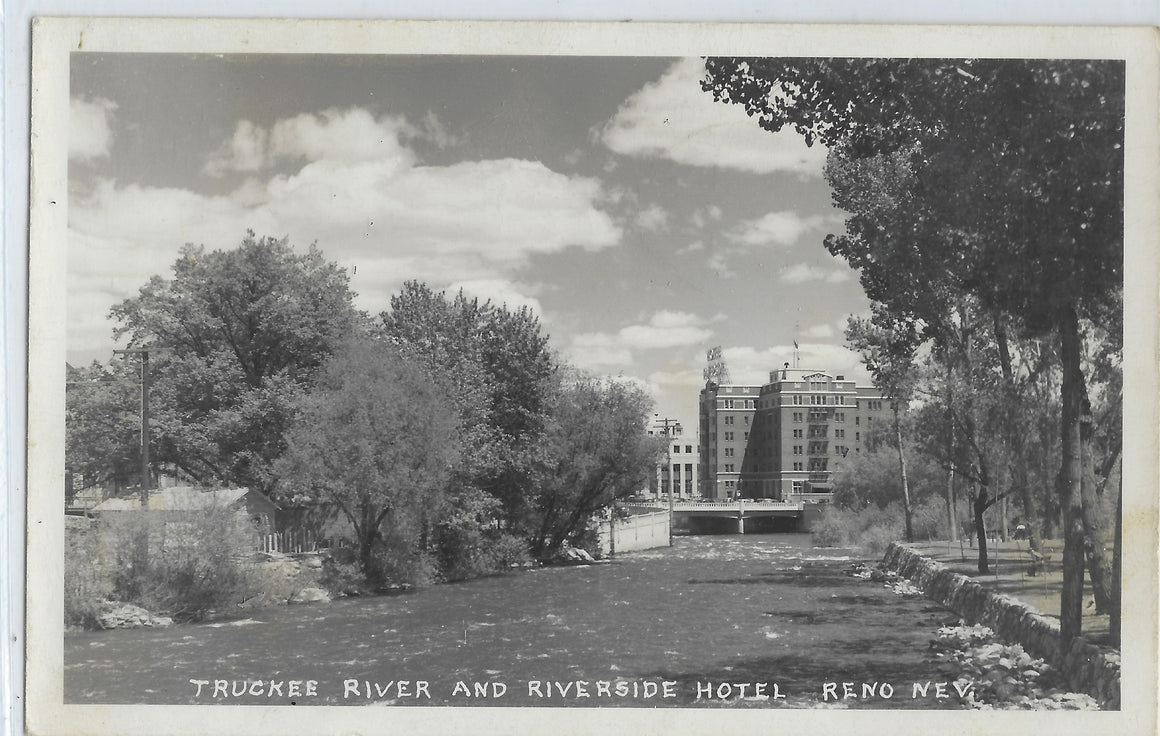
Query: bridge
pixel 735 516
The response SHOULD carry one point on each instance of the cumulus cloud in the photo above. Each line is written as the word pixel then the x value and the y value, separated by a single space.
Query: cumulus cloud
pixel 673 119
pixel 664 330
pixel 774 228
pixel 368 199
pixel 90 131
pixel 800 273
pixel 750 365
pixel 344 136
pixel 718 263
pixel 652 218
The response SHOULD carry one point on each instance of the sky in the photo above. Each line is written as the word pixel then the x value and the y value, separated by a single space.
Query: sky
pixel 642 221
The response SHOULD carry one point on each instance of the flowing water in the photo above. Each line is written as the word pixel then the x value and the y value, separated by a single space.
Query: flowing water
pixel 665 627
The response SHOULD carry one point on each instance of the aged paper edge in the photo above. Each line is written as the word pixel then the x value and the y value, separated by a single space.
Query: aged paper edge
pixel 55 38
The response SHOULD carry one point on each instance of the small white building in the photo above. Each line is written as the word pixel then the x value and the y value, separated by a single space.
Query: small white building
pixel 678 466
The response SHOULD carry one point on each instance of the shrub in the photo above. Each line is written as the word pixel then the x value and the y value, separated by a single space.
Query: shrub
pixel 86 580
pixel 185 565
pixel 869 528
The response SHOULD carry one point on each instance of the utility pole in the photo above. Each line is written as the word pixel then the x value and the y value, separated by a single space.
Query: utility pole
pixel 669 425
pixel 144 353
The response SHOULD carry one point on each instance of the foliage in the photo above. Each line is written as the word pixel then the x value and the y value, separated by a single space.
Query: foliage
pixel 501 373
pixel 997 179
pixel 102 424
pixel 468 545
pixel 871 476
pixel 596 452
pixel 245 330
pixel 195 561
pixel 376 441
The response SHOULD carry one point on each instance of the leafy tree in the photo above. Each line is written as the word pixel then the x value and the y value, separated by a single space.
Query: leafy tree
pixel 597 452
pixel 887 348
pixel 1014 190
pixel 102 424
pixel 376 441
pixel 246 330
pixel 502 373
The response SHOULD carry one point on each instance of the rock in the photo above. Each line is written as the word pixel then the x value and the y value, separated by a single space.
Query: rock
pixel 310 595
pixel 314 562
pixel 128 616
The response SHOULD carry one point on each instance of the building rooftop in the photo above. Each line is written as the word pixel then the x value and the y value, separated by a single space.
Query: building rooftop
pixel 179 498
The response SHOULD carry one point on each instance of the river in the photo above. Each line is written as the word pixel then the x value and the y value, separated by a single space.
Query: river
pixel 649 628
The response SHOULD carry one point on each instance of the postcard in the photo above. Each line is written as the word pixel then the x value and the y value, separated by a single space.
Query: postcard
pixel 400 376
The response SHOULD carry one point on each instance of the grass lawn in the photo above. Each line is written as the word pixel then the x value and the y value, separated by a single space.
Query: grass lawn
pixel 1009 575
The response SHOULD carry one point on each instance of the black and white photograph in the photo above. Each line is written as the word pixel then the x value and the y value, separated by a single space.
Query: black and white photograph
pixel 590 377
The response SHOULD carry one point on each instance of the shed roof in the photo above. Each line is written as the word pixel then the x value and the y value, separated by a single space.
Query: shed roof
pixel 178 498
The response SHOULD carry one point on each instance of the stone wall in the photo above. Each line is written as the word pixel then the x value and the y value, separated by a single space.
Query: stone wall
pixel 637 532
pixel 1088 668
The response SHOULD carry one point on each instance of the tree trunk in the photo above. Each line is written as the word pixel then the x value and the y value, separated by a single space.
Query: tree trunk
pixel 1117 569
pixel 1098 562
pixel 1071 479
pixel 980 505
pixel 1017 467
pixel 952 517
pixel 906 510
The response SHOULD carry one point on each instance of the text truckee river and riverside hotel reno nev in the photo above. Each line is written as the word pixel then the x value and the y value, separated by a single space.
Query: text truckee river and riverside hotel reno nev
pixel 301 692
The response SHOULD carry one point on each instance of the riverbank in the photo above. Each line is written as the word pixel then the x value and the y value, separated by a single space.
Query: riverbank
pixel 1085 666
pixel 1010 575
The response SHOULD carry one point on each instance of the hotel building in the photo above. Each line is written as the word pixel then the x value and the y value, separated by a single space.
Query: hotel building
pixel 785 438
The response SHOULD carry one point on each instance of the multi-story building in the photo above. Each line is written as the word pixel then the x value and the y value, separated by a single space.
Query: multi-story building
pixel 785 438
pixel 678 468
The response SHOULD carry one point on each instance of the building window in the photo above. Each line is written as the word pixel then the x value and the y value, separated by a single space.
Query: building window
pixel 797 399
pixel 728 436
pixel 797 433
pixel 688 449
pixel 746 417
pixel 677 449
pixel 857 420
pixel 797 486
pixel 746 435
pixel 797 449
pixel 728 452
pixel 797 416
pixel 729 419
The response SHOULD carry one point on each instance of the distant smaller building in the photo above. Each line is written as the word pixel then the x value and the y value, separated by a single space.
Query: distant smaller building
pixel 678 467
pixel 259 510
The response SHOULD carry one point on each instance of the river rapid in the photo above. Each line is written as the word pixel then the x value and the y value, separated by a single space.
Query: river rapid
pixel 716 621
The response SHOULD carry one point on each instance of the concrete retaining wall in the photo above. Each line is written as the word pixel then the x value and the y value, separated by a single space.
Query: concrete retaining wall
pixel 1088 668
pixel 637 532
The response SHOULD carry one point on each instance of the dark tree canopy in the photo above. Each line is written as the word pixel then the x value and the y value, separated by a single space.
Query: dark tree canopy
pixel 502 372
pixel 246 329
pixel 997 179
pixel 1003 176
pixel 375 441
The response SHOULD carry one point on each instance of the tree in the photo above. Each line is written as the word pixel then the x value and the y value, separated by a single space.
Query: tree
pixel 502 374
pixel 102 425
pixel 1015 193
pixel 376 441
pixel 887 348
pixel 246 330
pixel 597 452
